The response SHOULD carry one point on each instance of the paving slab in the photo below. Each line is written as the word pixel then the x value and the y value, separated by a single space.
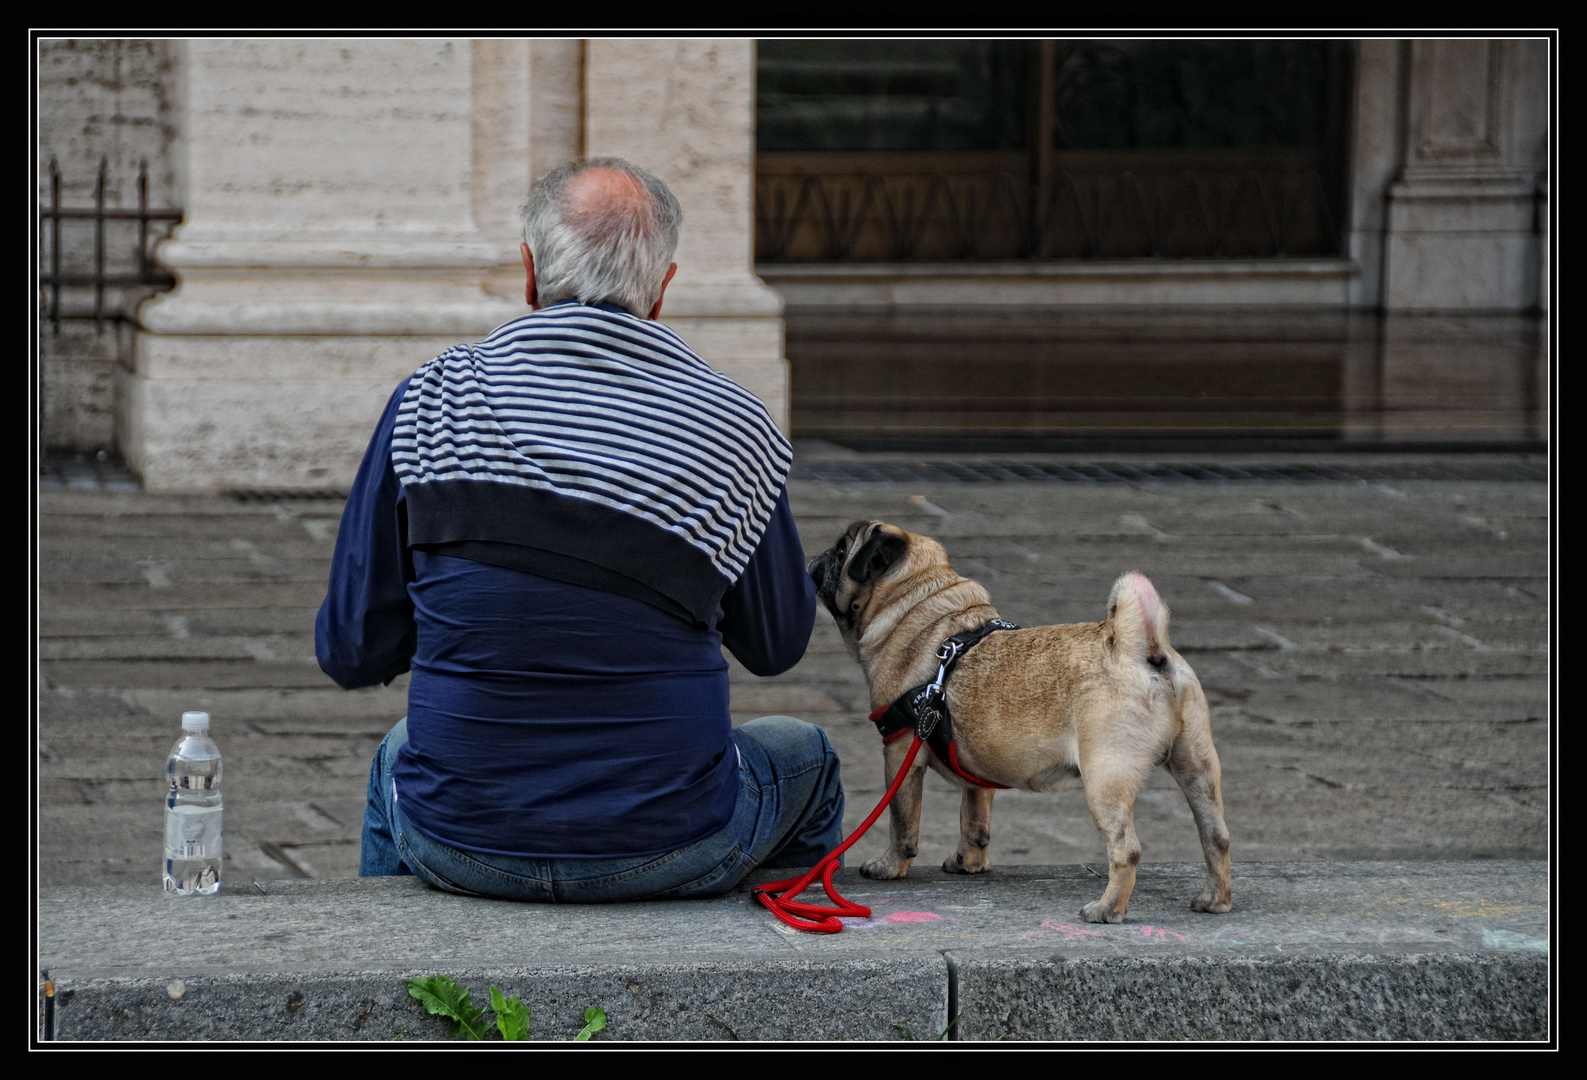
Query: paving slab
pixel 1361 951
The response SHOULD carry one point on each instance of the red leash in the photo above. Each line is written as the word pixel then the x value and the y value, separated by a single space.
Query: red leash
pixel 778 896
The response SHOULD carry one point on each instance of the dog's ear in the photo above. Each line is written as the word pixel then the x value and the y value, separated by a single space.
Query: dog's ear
pixel 878 553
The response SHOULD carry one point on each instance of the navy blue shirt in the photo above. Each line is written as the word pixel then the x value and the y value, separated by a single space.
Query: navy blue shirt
pixel 545 718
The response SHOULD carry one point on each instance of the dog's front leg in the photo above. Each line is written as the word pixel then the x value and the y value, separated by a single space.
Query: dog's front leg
pixel 975 833
pixel 903 813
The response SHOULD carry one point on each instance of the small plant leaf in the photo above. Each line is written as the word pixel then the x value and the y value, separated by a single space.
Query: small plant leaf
pixel 512 1016
pixel 444 997
pixel 594 1020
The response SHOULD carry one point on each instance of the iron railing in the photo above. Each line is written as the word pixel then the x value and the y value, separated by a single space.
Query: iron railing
pixel 145 274
pixel 903 217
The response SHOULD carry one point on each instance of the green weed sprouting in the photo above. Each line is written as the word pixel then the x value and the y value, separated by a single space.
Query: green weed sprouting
pixel 442 996
pixel 512 1016
pixel 594 1020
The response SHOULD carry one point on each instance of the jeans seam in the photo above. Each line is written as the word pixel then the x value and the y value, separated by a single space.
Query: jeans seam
pixel 610 879
pixel 427 872
pixel 713 876
pixel 471 864
pixel 785 776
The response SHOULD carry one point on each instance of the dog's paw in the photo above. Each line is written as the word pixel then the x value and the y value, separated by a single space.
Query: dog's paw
pixel 972 862
pixel 1095 912
pixel 1207 901
pixel 885 869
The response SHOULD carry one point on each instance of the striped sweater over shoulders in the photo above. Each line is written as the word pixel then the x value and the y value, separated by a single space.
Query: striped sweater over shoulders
pixel 587 445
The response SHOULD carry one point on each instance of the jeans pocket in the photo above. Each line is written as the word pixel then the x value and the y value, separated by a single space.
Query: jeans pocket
pixel 440 881
pixel 719 879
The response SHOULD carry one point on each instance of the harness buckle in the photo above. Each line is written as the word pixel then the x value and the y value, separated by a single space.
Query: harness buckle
pixel 946 653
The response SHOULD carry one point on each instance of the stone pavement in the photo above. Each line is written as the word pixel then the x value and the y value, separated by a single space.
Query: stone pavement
pixel 1375 654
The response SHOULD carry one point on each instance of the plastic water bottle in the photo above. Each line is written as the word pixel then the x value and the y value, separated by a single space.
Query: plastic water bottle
pixel 193 811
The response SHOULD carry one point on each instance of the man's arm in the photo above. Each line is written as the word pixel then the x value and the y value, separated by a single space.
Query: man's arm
pixel 768 612
pixel 365 632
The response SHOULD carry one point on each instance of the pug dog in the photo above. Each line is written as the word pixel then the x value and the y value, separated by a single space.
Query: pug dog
pixel 1037 709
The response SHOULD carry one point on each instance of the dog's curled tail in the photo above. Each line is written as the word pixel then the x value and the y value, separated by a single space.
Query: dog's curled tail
pixel 1140 620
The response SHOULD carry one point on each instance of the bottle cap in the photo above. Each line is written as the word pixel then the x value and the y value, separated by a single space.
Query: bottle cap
pixel 195 721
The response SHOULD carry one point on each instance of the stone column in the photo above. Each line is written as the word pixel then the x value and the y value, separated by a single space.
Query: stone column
pixel 528 115
pixel 1378 130
pixel 1461 219
pixel 329 248
pixel 685 110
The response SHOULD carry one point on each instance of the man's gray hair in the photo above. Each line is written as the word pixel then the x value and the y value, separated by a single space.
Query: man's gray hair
pixel 614 252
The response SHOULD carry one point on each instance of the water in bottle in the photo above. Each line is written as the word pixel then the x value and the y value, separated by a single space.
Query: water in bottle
pixel 193 811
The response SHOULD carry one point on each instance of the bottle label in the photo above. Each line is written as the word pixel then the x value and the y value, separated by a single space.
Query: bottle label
pixel 193 832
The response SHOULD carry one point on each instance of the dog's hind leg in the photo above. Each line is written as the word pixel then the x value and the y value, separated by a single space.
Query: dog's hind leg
pixel 903 814
pixel 1110 792
pixel 975 833
pixel 1193 761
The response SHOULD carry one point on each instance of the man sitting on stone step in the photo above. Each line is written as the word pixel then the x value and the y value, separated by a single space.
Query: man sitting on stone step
pixel 555 529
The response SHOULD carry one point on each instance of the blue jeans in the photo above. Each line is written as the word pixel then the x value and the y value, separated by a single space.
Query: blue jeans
pixel 789 813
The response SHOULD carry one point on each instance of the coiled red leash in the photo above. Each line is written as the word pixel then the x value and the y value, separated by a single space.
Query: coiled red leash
pixel 778 896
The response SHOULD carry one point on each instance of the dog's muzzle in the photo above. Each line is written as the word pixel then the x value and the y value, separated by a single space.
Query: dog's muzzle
pixel 826 570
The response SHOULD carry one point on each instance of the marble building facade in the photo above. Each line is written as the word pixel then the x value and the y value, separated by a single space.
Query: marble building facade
pixel 351 210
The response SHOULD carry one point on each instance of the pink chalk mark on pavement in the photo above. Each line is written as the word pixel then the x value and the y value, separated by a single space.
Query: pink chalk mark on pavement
pixel 1159 932
pixel 1072 932
pixel 911 916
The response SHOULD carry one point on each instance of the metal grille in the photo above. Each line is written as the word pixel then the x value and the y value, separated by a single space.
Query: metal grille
pixel 277 495
pixel 1104 472
pixel 61 472
pixel 145 273
pixel 853 217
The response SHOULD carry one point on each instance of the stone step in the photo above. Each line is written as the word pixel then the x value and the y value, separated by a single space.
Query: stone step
pixel 1311 951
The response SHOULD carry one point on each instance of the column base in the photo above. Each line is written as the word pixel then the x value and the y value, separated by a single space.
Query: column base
pixel 1461 244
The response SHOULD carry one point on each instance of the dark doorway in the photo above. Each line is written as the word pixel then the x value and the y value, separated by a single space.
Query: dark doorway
pixel 944 151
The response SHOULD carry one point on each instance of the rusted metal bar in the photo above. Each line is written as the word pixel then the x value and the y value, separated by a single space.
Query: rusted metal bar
pixel 1045 116
pixel 55 245
pixel 112 213
pixel 143 217
pixel 99 249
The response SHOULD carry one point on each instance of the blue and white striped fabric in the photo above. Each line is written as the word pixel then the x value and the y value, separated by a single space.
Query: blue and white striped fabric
pixel 593 405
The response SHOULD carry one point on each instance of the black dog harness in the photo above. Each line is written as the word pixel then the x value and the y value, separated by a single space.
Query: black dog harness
pixel 924 709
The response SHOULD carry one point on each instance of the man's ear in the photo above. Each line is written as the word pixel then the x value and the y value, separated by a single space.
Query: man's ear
pixel 655 310
pixel 878 553
pixel 531 292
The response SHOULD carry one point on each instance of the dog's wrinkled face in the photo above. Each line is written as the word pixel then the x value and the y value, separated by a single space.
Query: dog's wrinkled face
pixel 847 572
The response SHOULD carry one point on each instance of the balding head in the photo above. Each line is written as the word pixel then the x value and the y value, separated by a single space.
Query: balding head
pixel 601 231
pixel 605 189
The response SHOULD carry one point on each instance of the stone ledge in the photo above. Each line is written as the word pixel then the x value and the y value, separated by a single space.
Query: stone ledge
pixel 1366 951
pixel 1211 283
